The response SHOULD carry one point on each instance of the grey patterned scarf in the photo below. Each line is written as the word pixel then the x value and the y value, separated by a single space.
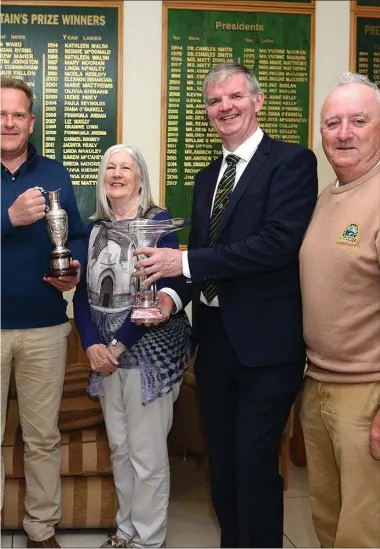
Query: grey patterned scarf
pixel 163 351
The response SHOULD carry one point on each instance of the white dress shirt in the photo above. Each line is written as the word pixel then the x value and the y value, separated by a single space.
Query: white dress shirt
pixel 245 152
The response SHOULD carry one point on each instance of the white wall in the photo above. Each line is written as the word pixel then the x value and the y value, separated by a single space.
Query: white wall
pixel 142 77
pixel 142 82
pixel 332 42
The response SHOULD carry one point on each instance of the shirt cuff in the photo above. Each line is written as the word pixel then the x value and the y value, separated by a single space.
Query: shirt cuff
pixel 185 265
pixel 175 297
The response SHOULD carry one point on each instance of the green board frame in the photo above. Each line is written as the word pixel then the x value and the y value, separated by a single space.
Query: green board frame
pixel 70 54
pixel 244 33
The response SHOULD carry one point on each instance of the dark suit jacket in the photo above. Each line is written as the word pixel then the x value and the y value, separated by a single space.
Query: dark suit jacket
pixel 255 259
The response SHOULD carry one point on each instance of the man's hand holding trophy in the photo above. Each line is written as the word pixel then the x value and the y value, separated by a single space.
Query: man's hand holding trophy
pixel 64 271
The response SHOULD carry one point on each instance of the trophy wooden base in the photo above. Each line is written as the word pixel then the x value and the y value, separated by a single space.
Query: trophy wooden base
pixel 60 264
pixel 69 271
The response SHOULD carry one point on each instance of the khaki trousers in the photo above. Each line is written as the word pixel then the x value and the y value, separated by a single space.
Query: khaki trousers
pixel 344 479
pixel 38 356
pixel 137 437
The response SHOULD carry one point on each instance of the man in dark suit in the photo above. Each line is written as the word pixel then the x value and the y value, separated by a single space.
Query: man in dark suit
pixel 251 208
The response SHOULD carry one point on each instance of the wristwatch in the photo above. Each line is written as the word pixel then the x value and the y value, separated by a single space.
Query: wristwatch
pixel 119 345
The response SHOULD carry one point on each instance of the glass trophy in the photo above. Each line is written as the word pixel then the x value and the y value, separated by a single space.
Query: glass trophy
pixel 146 233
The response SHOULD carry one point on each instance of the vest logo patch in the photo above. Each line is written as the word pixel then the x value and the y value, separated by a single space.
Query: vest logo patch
pixel 350 235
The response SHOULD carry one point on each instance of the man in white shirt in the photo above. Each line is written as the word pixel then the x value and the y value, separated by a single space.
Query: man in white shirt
pixel 251 208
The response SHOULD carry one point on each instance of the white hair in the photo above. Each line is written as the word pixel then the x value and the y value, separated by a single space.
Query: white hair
pixel 355 78
pixel 103 205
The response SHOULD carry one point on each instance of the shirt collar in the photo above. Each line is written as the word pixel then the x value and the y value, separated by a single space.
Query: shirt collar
pixel 248 148
pixel 31 153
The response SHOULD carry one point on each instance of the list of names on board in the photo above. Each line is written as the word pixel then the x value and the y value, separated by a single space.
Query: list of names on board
pixel 69 56
pixel 368 47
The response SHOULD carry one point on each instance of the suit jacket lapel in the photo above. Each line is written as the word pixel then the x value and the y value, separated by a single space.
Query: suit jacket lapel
pixel 246 179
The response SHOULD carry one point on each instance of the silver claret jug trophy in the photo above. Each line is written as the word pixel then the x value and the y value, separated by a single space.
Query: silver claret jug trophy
pixel 58 226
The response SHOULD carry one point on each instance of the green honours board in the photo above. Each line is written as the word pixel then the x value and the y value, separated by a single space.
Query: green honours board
pixel 367 50
pixel 368 3
pixel 69 54
pixel 276 45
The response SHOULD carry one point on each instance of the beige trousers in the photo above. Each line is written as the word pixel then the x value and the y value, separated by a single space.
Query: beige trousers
pixel 38 356
pixel 344 479
pixel 137 437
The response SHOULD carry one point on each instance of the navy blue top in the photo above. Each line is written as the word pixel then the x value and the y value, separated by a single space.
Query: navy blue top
pixel 129 333
pixel 26 300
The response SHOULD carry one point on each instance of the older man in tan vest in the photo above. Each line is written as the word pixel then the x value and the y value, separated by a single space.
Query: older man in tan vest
pixel 340 280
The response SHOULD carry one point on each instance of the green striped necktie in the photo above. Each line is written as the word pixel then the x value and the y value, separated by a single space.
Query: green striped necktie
pixel 225 188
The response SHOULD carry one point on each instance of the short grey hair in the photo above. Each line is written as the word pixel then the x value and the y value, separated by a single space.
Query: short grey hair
pixel 356 78
pixel 17 84
pixel 224 71
pixel 103 205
